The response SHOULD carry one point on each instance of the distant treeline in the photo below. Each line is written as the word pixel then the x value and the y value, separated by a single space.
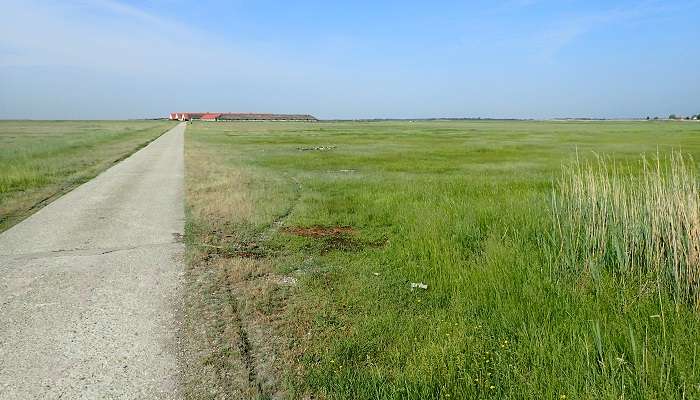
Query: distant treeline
pixel 692 117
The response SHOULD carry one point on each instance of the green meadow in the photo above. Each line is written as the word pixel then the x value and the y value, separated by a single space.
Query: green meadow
pixel 40 160
pixel 323 235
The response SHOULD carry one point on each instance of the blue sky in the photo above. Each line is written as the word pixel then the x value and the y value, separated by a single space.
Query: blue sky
pixel 360 59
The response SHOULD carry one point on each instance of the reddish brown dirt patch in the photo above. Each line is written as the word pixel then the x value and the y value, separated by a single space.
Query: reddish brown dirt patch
pixel 320 231
pixel 249 254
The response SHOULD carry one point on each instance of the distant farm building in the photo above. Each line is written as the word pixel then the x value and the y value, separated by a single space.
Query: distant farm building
pixel 209 116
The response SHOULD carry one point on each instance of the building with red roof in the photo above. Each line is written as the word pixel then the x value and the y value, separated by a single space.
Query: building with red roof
pixel 210 116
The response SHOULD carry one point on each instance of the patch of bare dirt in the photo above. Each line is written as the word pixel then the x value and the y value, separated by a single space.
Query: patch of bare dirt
pixel 320 231
pixel 331 238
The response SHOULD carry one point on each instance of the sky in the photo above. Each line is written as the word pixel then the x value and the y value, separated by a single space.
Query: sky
pixel 114 59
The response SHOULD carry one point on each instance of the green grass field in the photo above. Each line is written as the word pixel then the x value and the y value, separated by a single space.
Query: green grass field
pixel 40 160
pixel 304 239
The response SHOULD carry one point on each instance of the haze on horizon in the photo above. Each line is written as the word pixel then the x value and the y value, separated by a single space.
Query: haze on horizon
pixel 94 59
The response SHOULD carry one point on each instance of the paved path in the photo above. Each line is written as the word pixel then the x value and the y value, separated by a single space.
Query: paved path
pixel 89 285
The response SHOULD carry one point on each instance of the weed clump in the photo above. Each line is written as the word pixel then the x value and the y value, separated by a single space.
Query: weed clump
pixel 639 221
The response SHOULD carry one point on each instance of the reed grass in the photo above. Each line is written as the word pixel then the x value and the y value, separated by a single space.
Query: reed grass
pixel 639 221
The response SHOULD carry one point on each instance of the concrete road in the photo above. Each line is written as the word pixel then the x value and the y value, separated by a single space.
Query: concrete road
pixel 90 286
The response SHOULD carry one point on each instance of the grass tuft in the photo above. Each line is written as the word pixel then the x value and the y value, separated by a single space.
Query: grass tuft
pixel 639 222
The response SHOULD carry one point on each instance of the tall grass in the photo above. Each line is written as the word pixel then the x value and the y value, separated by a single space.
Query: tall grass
pixel 638 221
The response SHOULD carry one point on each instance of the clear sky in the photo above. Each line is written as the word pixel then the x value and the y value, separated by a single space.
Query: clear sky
pixel 353 59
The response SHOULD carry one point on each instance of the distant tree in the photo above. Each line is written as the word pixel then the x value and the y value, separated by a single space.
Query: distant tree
pixel 655 118
pixel 648 118
pixel 672 116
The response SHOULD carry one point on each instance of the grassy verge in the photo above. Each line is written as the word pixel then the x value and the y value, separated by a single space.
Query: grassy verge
pixel 317 231
pixel 232 348
pixel 41 160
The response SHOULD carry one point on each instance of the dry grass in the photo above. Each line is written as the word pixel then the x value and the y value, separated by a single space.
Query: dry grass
pixel 231 350
pixel 218 194
pixel 639 221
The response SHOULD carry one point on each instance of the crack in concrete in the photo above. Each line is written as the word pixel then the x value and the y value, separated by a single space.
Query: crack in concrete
pixel 83 252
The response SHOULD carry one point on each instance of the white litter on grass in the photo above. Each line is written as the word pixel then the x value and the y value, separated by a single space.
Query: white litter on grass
pixel 418 285
pixel 321 148
pixel 375 273
pixel 287 281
